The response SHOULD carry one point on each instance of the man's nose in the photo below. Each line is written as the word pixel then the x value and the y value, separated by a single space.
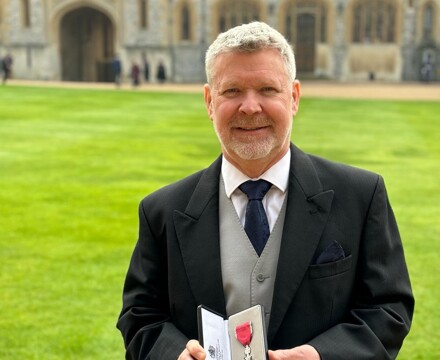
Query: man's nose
pixel 250 104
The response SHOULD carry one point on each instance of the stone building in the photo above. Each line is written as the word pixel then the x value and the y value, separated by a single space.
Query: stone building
pixel 76 40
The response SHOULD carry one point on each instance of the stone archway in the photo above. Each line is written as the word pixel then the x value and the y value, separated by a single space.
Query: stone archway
pixel 87 45
pixel 305 26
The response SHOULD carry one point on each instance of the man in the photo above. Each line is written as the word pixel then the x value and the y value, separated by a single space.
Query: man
pixel 6 67
pixel 117 70
pixel 161 73
pixel 331 277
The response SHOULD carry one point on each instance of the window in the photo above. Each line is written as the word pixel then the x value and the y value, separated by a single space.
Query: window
pixel 289 28
pixel 186 23
pixel 25 14
pixel 323 25
pixel 143 14
pixel 233 13
pixel 428 21
pixel 391 25
pixel 374 21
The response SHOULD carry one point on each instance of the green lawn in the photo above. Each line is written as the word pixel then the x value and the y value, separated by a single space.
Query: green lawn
pixel 74 165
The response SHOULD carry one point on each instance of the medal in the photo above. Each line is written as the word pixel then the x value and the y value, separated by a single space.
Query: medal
pixel 243 333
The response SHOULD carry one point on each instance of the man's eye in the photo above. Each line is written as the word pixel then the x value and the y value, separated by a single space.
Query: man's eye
pixel 268 89
pixel 231 91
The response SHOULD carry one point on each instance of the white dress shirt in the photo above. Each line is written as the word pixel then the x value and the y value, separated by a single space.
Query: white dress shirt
pixel 278 175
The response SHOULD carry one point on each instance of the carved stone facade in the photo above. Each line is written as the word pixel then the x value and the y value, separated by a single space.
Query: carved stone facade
pixel 346 40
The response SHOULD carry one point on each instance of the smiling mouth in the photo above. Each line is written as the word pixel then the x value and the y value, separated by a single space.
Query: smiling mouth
pixel 252 128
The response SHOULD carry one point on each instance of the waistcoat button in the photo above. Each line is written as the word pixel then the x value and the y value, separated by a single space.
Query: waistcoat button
pixel 260 277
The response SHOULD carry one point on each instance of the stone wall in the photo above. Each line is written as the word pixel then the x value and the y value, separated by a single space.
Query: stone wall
pixel 37 55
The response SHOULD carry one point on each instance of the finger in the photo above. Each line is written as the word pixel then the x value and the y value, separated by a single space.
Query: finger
pixel 185 355
pixel 195 349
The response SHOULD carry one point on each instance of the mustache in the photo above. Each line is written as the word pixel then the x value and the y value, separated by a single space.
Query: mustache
pixel 250 121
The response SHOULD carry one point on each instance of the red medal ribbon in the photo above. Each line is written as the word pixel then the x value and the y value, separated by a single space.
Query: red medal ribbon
pixel 243 333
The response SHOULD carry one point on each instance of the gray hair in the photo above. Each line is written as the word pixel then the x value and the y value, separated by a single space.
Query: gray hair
pixel 248 38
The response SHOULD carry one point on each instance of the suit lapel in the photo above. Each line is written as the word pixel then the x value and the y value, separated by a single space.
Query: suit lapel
pixel 197 229
pixel 307 211
pixel 198 234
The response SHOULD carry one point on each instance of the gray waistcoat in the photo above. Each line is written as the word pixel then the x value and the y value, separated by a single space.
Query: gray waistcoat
pixel 248 280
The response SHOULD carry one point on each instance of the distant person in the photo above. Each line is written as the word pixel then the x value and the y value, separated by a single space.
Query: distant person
pixel 313 241
pixel 135 74
pixel 427 69
pixel 146 70
pixel 6 68
pixel 161 73
pixel 117 70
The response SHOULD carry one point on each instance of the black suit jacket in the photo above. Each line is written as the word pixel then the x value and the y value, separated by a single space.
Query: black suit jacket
pixel 359 307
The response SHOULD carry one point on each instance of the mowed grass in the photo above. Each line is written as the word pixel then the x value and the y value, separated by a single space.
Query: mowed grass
pixel 74 165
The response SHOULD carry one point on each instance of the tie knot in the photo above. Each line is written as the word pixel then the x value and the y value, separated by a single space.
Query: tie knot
pixel 255 190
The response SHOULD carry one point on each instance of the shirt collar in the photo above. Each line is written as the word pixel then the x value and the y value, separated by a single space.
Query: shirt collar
pixel 278 175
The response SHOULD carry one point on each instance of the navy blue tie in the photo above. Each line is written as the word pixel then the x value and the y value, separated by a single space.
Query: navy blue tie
pixel 256 224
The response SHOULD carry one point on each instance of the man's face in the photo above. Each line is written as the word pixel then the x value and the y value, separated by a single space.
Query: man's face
pixel 252 103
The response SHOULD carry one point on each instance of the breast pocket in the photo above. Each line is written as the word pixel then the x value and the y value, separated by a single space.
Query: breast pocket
pixel 330 269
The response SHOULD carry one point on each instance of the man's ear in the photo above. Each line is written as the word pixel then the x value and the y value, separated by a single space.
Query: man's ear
pixel 208 100
pixel 296 94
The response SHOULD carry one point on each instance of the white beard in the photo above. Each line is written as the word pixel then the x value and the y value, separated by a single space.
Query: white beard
pixel 252 150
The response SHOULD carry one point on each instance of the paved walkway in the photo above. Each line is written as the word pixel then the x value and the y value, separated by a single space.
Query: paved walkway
pixel 353 90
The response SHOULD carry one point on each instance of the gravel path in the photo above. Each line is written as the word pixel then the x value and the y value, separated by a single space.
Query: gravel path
pixel 364 90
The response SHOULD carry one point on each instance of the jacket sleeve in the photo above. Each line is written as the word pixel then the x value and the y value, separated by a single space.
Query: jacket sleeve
pixel 145 319
pixel 382 307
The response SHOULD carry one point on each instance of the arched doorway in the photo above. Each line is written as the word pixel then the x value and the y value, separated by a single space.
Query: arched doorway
pixel 305 43
pixel 305 26
pixel 86 40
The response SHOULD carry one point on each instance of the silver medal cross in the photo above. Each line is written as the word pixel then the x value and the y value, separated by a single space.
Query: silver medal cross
pixel 247 353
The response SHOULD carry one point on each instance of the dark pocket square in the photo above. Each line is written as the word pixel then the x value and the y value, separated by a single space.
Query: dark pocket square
pixel 332 253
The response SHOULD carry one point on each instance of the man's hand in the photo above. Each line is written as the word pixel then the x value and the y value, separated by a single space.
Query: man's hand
pixel 303 352
pixel 193 351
